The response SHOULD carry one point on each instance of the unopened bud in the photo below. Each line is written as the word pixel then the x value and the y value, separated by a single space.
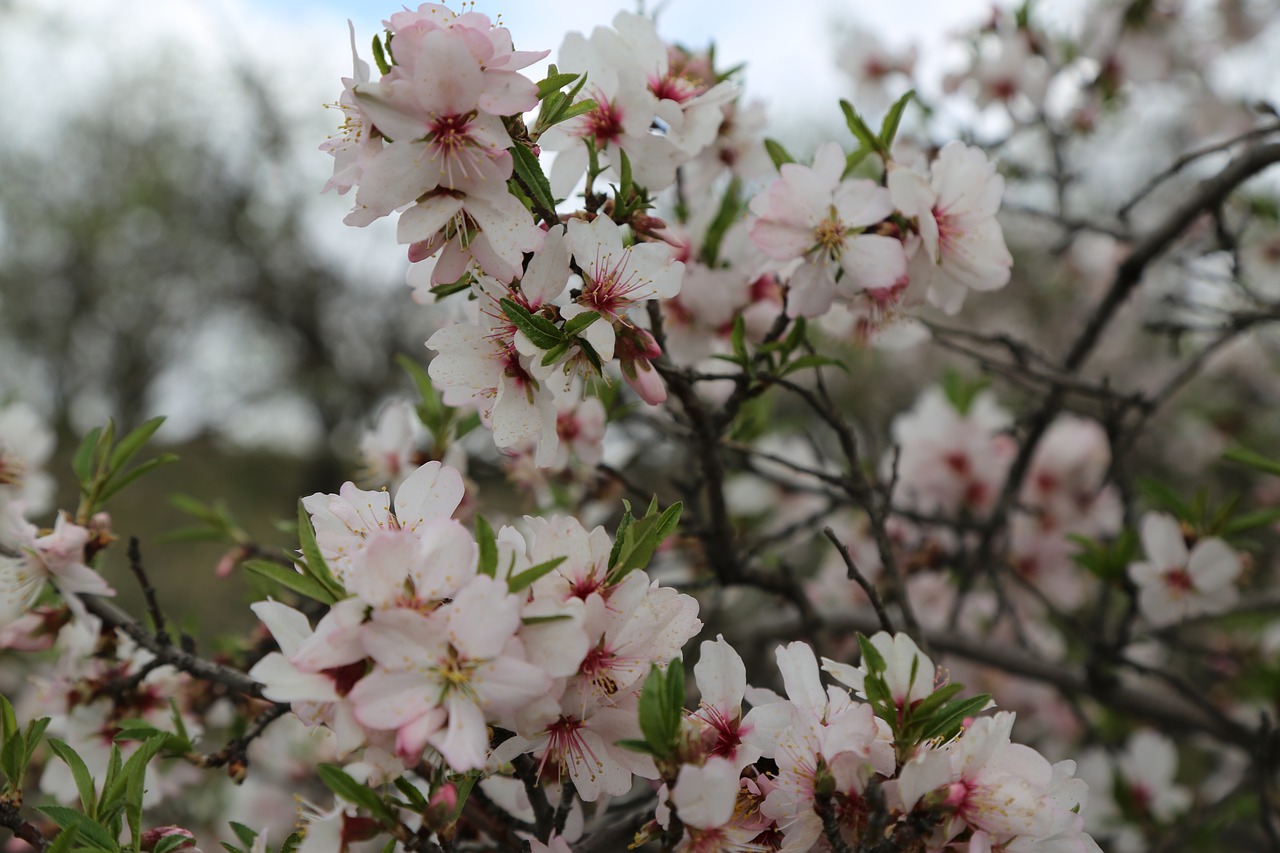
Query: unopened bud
pixel 152 837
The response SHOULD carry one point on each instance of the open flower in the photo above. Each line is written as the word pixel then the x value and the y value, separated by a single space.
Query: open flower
pixel 1175 584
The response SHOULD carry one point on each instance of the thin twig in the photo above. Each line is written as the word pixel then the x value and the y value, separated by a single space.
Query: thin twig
pixel 857 576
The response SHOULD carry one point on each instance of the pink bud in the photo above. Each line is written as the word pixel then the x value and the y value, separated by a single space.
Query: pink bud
pixel 151 837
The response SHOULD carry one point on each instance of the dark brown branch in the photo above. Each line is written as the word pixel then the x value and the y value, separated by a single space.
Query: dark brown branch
pixel 207 670
pixel 11 819
pixel 148 592
pixel 858 577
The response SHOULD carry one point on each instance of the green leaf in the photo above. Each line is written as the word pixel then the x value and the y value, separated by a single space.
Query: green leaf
pixel 290 579
pixel 947 723
pixel 579 324
pixel 64 841
pixel 8 719
pixel 620 534
pixel 134 768
pixel 115 484
pixel 488 544
pixel 337 780
pixel 730 210
pixel 961 391
pixel 661 707
pixel 440 291
pixel 533 181
pixel 889 128
pixel 1252 520
pixel 132 443
pixel 11 755
pixel 1256 461
pixel 170 843
pixel 90 831
pixel 855 159
pixel 859 128
pixel 738 338
pixel 525 579
pixel 935 700
pixel 805 362
pixel 871 656
pixel 581 108
pixel 79 772
pixel 777 153
pixel 543 333
pixel 34 734
pixel 542 620
pixel 316 566
pixel 82 461
pixel 1167 499
pixel 246 835
pixel 554 81
pixel 639 746
pixel 411 793
pixel 643 537
pixel 380 56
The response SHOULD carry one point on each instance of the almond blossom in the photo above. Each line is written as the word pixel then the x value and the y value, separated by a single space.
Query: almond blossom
pixel 1175 584
pixel 962 244
pixel 57 556
pixel 810 213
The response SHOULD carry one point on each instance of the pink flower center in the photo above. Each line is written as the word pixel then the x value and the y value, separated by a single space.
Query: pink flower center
pixel 602 125
pixel 450 139
pixel 1178 581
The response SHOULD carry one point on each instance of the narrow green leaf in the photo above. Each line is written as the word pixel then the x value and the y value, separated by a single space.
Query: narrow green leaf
pixel 90 832
pixel 134 768
pixel 316 566
pixel 855 159
pixel 290 579
pixel 859 128
pixel 738 338
pixel 542 620
pixel 8 719
pixel 543 333
pixel 1252 520
pixel 79 773
pixel 132 443
pixel 1166 498
pixel 380 56
pixel 935 700
pixel 950 718
pixel 639 746
pixel 889 128
pixel 411 793
pixel 871 657
pixel 246 835
pixel 581 108
pixel 557 352
pixel 82 461
pixel 525 579
pixel 440 291
pixel 65 841
pixel 643 537
pixel 553 82
pixel 1244 456
pixel 654 717
pixel 777 153
pixel 675 691
pixel 115 484
pixel 579 324
pixel 34 734
pixel 11 755
pixel 532 179
pixel 337 780
pixel 812 360
pixel 488 543
pixel 620 534
pixel 730 210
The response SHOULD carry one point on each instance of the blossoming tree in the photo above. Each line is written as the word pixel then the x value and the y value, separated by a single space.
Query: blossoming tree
pixel 638 293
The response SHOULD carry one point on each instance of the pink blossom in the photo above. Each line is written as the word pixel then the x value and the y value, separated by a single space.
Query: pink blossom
pixel 1176 584
pixel 810 213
